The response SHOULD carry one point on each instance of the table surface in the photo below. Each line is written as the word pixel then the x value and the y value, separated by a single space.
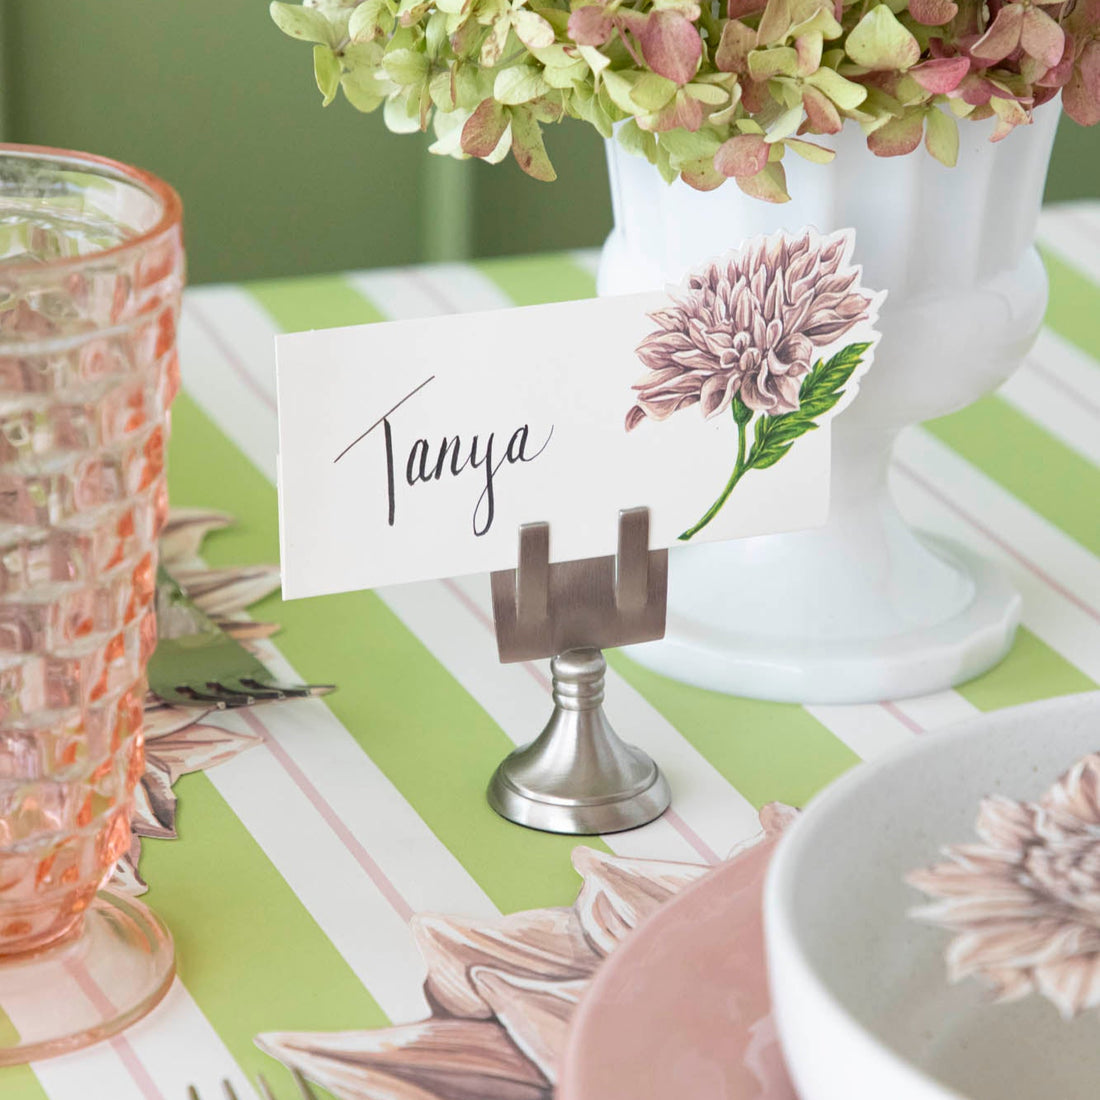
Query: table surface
pixel 301 861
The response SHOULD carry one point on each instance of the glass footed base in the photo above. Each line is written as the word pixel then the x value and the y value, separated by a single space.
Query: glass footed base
pixel 87 988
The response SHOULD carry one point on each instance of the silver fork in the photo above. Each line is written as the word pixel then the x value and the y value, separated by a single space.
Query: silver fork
pixel 197 664
pixel 304 1091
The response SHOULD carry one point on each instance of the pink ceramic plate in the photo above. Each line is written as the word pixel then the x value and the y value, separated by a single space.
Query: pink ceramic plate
pixel 681 1009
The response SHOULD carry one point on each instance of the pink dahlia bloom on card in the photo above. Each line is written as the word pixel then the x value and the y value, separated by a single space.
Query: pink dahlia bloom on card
pixel 745 335
pixel 749 326
pixel 1025 900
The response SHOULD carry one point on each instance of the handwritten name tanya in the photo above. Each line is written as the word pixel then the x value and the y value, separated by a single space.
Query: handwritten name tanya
pixel 425 463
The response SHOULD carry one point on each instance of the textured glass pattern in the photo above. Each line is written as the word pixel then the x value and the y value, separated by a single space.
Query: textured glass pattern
pixel 91 270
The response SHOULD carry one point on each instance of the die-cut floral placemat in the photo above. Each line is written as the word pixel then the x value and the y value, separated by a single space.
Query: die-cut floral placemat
pixel 502 991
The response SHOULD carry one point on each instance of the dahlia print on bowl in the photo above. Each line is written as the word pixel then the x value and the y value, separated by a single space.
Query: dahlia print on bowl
pixel 1024 901
pixel 745 335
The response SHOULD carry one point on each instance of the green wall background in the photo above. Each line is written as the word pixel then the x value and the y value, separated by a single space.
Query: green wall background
pixel 211 96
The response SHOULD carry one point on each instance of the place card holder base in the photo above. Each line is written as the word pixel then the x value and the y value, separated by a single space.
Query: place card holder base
pixel 578 777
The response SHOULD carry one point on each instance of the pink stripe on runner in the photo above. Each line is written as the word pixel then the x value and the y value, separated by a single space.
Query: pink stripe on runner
pixel 330 816
pixel 992 535
pixel 120 1044
pixel 896 712
pixel 235 362
pixel 430 290
pixel 670 815
pixel 136 1068
pixel 691 836
pixel 1057 383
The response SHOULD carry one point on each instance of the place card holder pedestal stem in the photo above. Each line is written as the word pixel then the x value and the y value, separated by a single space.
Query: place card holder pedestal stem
pixel 578 776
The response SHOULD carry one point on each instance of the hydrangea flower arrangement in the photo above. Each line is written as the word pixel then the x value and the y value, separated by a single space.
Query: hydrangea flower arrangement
pixel 706 91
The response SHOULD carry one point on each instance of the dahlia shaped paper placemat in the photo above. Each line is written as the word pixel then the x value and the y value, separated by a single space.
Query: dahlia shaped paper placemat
pixel 502 991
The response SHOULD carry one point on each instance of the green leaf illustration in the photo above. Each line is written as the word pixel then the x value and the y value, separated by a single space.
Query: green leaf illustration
pixel 774 436
pixel 773 439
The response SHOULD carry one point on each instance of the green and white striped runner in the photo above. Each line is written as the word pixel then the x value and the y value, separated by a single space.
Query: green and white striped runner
pixel 301 860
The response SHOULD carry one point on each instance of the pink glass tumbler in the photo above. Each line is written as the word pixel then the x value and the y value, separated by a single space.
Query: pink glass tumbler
pixel 91 272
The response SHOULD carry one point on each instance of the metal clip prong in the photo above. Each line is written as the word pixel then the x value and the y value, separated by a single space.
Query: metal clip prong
pixel 632 560
pixel 533 575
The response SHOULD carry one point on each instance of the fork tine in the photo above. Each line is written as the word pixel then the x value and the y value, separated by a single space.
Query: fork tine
pixel 198 664
pixel 263 692
pixel 304 1089
pixel 265 1088
pixel 260 692
pixel 303 1085
pixel 187 691
pixel 228 692
pixel 295 691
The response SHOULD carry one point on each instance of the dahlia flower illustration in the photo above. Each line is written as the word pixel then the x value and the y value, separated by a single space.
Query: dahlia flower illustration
pixel 744 337
pixel 1025 901
pixel 503 990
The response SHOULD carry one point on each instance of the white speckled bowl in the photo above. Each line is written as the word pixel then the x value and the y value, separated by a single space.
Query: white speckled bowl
pixel 859 989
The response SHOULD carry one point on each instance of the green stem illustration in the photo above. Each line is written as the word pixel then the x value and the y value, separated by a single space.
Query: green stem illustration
pixel 775 434
pixel 735 477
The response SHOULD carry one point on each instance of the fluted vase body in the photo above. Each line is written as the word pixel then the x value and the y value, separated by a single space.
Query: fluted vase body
pixel 864 608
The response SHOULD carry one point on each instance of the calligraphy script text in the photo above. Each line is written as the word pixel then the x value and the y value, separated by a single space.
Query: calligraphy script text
pixel 450 456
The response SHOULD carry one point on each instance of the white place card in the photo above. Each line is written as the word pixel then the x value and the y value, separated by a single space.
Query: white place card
pixel 415 449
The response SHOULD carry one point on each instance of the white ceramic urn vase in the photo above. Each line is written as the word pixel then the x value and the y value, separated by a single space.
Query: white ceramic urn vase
pixel 864 608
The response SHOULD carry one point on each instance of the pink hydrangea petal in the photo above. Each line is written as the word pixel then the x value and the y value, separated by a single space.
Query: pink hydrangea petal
pixel 702 175
pixel 590 26
pixel 933 13
pixel 1083 20
pixel 684 113
pixel 1003 35
pixel 737 9
pixel 1041 37
pixel 1056 76
pixel 743 155
pixel 975 90
pixel 940 75
pixel 671 45
pixel 898 137
pixel 484 128
pixel 1081 95
pixel 736 42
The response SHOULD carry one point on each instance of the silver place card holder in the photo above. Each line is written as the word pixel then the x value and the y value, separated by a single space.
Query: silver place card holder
pixel 578 776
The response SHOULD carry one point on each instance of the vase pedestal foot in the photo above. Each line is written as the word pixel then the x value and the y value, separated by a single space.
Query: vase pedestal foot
pixel 891 657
